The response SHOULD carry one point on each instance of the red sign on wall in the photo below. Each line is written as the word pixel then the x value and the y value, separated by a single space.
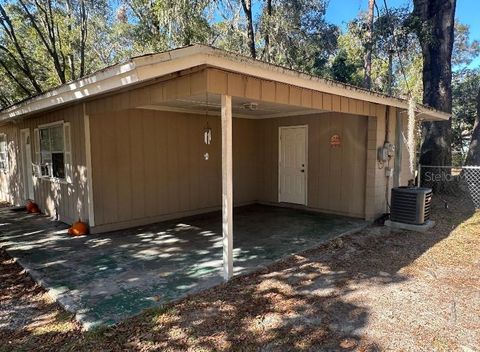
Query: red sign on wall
pixel 335 140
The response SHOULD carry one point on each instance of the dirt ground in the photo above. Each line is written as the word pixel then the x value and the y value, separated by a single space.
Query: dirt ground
pixel 372 291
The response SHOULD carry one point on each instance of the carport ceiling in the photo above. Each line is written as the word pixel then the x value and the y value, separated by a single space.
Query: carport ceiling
pixel 241 107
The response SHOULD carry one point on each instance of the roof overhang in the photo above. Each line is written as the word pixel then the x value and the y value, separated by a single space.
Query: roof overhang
pixel 148 67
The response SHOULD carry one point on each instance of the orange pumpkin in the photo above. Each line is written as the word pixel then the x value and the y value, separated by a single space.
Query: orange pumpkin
pixel 32 207
pixel 29 205
pixel 79 228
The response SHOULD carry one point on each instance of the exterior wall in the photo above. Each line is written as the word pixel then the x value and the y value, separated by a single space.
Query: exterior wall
pixel 149 165
pixel 336 176
pixel 376 192
pixel 197 83
pixel 391 137
pixel 378 184
pixel 67 202
pixel 181 85
pixel 11 185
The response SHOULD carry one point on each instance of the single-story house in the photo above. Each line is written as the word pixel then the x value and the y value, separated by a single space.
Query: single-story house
pixel 198 129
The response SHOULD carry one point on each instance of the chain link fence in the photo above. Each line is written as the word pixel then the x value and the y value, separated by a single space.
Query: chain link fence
pixel 456 188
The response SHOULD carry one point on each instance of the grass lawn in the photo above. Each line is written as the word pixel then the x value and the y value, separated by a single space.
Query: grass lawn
pixel 375 290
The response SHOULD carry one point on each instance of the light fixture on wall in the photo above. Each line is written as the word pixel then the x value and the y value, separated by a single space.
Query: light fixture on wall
pixel 252 106
pixel 207 135
pixel 207 131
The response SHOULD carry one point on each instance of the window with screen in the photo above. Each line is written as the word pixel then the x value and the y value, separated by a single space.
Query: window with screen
pixel 52 151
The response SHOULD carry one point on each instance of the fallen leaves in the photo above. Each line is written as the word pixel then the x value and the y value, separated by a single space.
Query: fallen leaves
pixel 370 291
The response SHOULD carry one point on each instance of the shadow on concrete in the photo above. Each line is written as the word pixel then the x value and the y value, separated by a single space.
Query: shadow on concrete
pixel 108 277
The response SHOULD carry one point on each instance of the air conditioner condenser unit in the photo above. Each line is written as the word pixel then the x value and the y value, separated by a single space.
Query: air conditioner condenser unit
pixel 411 205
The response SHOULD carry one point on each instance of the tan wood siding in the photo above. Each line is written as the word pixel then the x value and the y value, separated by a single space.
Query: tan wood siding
pixel 336 176
pixel 218 81
pixel 11 180
pixel 237 85
pixel 377 194
pixel 182 85
pixel 67 201
pixel 147 164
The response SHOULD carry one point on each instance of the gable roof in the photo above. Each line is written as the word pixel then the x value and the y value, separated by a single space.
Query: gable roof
pixel 147 67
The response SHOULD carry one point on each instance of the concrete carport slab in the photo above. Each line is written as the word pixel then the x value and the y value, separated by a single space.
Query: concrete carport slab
pixel 108 277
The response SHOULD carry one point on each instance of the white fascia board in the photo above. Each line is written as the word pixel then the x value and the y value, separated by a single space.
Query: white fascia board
pixel 139 69
pixel 104 81
pixel 147 71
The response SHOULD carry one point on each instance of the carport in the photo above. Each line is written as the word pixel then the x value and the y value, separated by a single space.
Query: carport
pixel 108 277
pixel 231 151
pixel 208 138
pixel 197 129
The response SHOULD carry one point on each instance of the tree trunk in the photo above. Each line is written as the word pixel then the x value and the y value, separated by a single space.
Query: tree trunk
pixel 367 64
pixel 71 57
pixel 473 156
pixel 247 8
pixel 266 50
pixel 436 33
pixel 83 36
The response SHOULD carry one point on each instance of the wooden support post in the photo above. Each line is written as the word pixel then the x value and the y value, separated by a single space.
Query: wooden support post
pixel 227 187
pixel 88 157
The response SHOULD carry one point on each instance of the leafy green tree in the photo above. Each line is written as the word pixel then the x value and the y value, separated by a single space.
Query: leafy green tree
pixel 288 33
pixel 248 11
pixel 434 23
pixel 299 36
pixel 165 24
pixel 389 39
pixel 145 34
pixel 465 88
pixel 464 50
pixel 183 22
pixel 46 43
pixel 343 70
pixel 473 156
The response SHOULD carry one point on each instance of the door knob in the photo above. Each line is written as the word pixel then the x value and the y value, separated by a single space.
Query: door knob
pixel 302 170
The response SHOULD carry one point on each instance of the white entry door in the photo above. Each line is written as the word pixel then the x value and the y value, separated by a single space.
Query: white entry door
pixel 293 164
pixel 27 163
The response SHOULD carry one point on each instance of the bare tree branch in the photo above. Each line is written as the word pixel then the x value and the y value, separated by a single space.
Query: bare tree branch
pixel 15 79
pixel 51 43
pixel 247 9
pixel 24 66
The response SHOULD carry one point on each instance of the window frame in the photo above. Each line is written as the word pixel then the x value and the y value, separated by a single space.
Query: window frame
pixel 66 150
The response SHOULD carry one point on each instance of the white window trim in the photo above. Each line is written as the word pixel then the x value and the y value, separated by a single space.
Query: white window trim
pixel 5 169
pixel 49 125
pixel 53 180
